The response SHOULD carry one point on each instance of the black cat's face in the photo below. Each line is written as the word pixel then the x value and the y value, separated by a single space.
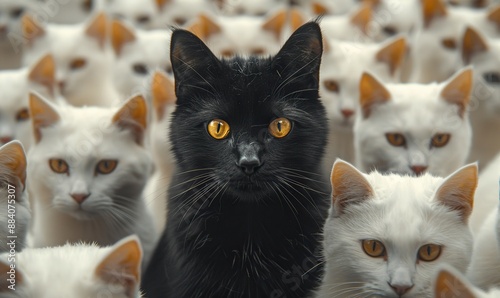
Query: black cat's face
pixel 247 126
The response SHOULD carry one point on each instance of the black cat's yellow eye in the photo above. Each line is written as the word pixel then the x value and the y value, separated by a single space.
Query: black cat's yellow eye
pixel 23 115
pixel 440 140
pixel 106 166
pixel 59 166
pixel 449 43
pixel 280 127
pixel 77 63
pixel 373 248
pixel 429 252
pixel 218 129
pixel 396 139
pixel 331 85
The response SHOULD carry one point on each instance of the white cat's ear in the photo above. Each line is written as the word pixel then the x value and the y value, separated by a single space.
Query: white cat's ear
pixel 432 9
pixel 472 44
pixel 349 186
pixel 4 282
pixel 121 34
pixel 494 15
pixel 362 18
pixel 371 92
pixel 205 27
pixel 43 114
pixel 122 266
pixel 393 54
pixel 163 93
pixel 44 73
pixel 449 282
pixel 275 23
pixel 297 19
pixel 457 190
pixel 31 30
pixel 458 89
pixel 132 116
pixel 13 163
pixel 318 8
pixel 98 28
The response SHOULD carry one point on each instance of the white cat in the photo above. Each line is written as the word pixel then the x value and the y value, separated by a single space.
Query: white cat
pixel 386 235
pixel 482 53
pixel 86 173
pixel 243 35
pixel 14 210
pixel 342 65
pixel 83 57
pixel 413 128
pixel 74 270
pixel 452 284
pixel 163 103
pixel 14 89
pixel 138 54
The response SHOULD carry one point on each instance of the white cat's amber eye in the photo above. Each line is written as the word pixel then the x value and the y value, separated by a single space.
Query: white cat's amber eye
pixel 449 43
pixel 22 115
pixel 58 166
pixel 331 85
pixel 77 63
pixel 429 252
pixel 106 166
pixel 373 248
pixel 218 129
pixel 395 139
pixel 440 140
pixel 280 127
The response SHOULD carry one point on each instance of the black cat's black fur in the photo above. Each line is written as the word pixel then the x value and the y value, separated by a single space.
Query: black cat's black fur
pixel 245 213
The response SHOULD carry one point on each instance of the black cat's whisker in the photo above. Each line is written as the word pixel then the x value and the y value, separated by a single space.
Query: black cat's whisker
pixel 286 96
pixel 293 76
pixel 196 72
pixel 302 171
pixel 193 170
pixel 192 199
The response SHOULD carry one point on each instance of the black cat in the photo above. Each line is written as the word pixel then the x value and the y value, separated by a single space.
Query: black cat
pixel 247 205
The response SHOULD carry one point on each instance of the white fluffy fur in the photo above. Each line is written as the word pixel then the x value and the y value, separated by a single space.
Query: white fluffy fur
pixel 418 112
pixel 115 207
pixel 72 267
pixel 403 214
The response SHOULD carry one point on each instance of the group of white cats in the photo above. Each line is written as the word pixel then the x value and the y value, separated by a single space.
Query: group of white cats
pixel 411 87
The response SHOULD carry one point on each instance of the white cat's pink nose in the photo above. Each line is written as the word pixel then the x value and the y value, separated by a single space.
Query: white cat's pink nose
pixel 79 197
pixel 418 169
pixel 347 113
pixel 401 289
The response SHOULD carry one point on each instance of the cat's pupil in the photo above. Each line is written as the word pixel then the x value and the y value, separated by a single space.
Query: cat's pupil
pixel 428 250
pixel 279 126
pixel 219 125
pixel 374 246
pixel 492 77
pixel 16 13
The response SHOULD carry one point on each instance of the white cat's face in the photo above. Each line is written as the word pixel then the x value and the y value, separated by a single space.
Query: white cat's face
pixel 85 162
pixel 392 17
pixel 416 129
pixel 139 13
pixel 181 12
pixel 387 235
pixel 81 56
pixel 138 59
pixel 341 68
pixel 82 270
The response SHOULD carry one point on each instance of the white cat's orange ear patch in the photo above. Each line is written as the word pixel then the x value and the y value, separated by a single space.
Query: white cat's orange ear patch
pixel 319 8
pixel 472 44
pixel 362 18
pixel 98 28
pixel 275 23
pixel 13 159
pixel 163 92
pixel 494 15
pixel 4 283
pixel 296 19
pixel 349 186
pixel 393 54
pixel 120 36
pixel 458 90
pixel 448 284
pixel 161 3
pixel 371 92
pixel 133 117
pixel 123 265
pixel 31 30
pixel 205 27
pixel 457 190
pixel 42 115
pixel 44 73
pixel 432 9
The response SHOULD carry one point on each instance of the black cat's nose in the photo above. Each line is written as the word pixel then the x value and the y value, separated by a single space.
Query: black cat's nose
pixel 249 160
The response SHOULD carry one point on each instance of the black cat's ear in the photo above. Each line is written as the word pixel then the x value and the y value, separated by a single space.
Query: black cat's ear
pixel 193 64
pixel 301 55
